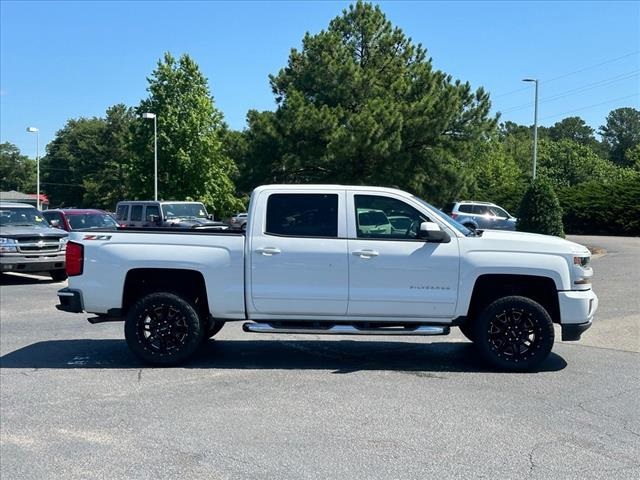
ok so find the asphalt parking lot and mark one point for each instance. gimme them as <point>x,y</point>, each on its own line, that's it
<point>74,403</point>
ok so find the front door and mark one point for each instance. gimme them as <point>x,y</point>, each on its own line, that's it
<point>392,273</point>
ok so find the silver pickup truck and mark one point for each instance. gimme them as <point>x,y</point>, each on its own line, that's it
<point>29,244</point>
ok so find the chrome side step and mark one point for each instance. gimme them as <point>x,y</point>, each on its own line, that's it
<point>421,330</point>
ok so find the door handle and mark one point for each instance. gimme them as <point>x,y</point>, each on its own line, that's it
<point>268,251</point>
<point>365,253</point>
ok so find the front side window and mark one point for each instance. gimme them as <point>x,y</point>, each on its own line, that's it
<point>122,212</point>
<point>136,213</point>
<point>386,218</point>
<point>498,212</point>
<point>302,215</point>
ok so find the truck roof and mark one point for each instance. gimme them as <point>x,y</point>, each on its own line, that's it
<point>331,188</point>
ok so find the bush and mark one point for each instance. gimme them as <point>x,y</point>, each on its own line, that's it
<point>540,210</point>
<point>611,208</point>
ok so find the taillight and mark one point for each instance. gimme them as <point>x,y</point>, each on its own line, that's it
<point>74,259</point>
<point>454,215</point>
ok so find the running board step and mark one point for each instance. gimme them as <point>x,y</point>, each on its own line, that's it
<point>421,330</point>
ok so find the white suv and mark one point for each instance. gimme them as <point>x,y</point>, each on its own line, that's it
<point>481,215</point>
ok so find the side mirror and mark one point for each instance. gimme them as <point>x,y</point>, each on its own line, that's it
<point>210,216</point>
<point>431,232</point>
<point>55,223</point>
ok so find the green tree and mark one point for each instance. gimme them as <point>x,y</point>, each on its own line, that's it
<point>191,159</point>
<point>566,163</point>
<point>17,171</point>
<point>360,103</point>
<point>540,210</point>
<point>110,181</point>
<point>74,155</point>
<point>621,133</point>
<point>496,175</point>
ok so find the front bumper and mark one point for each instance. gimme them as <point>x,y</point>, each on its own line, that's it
<point>70,300</point>
<point>41,262</point>
<point>577,310</point>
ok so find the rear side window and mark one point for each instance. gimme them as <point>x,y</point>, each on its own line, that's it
<point>465,208</point>
<point>480,209</point>
<point>136,213</point>
<point>122,212</point>
<point>302,215</point>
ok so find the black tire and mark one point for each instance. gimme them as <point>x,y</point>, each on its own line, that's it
<point>467,330</point>
<point>58,275</point>
<point>214,327</point>
<point>514,334</point>
<point>470,226</point>
<point>163,329</point>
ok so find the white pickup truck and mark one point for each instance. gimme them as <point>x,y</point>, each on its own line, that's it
<point>331,259</point>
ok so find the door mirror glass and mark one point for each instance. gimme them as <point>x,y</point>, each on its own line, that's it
<point>55,223</point>
<point>431,232</point>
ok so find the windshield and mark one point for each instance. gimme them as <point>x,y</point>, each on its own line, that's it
<point>452,223</point>
<point>183,210</point>
<point>17,216</point>
<point>91,220</point>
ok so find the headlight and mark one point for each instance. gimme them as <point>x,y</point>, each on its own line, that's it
<point>8,245</point>
<point>63,243</point>
<point>582,270</point>
<point>582,261</point>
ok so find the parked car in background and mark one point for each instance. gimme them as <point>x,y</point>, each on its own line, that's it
<point>238,221</point>
<point>29,244</point>
<point>481,215</point>
<point>161,214</point>
<point>78,219</point>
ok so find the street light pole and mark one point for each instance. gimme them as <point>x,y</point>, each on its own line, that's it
<point>37,132</point>
<point>535,126</point>
<point>155,153</point>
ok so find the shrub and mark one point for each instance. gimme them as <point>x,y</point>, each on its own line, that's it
<point>611,208</point>
<point>540,210</point>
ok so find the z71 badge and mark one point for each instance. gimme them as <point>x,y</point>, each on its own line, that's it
<point>97,237</point>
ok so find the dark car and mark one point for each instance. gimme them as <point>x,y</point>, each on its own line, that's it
<point>79,219</point>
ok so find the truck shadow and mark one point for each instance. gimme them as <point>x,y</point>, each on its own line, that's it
<point>339,356</point>
<point>25,279</point>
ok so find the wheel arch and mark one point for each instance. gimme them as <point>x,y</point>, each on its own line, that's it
<point>491,287</point>
<point>188,284</point>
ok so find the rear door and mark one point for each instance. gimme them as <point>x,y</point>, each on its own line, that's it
<point>298,254</point>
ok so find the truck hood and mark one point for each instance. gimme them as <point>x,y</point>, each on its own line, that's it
<point>10,231</point>
<point>525,242</point>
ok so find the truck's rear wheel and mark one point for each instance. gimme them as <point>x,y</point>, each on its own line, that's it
<point>514,333</point>
<point>163,328</point>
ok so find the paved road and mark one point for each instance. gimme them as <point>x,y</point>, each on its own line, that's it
<point>617,284</point>
<point>75,404</point>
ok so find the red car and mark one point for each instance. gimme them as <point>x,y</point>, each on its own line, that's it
<point>79,219</point>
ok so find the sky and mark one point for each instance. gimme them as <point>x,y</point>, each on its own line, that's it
<point>64,60</point>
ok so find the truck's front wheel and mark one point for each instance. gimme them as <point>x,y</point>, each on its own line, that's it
<point>163,328</point>
<point>514,333</point>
